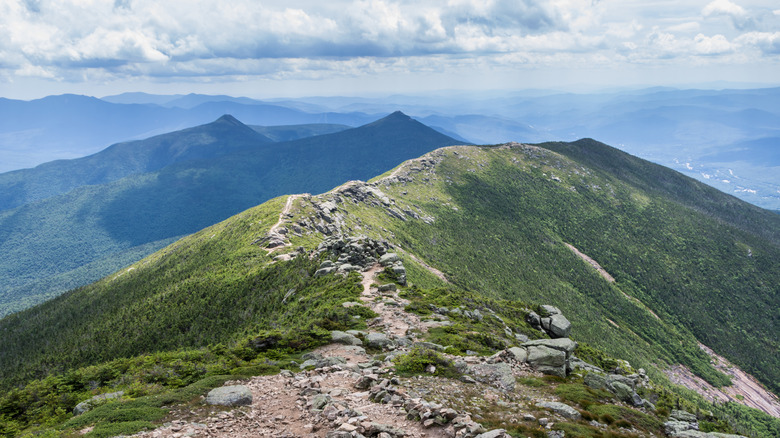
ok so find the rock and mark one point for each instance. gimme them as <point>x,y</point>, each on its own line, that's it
<point>318,402</point>
<point>534,319</point>
<point>636,400</point>
<point>596,381</point>
<point>429,345</point>
<point>613,378</point>
<point>546,324</point>
<point>547,360</point>
<point>518,354</point>
<point>338,434</point>
<point>674,427</point>
<point>324,271</point>
<point>378,340</point>
<point>681,415</point>
<point>390,287</point>
<point>498,374</point>
<point>388,259</point>
<point>521,337</point>
<point>235,395</point>
<point>563,344</point>
<point>495,433</point>
<point>561,409</point>
<point>95,401</point>
<point>326,264</point>
<point>623,392</point>
<point>340,337</point>
<point>551,310</point>
<point>556,434</point>
<point>560,327</point>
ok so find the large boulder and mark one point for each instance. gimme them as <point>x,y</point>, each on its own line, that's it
<point>547,360</point>
<point>235,395</point>
<point>378,340</point>
<point>388,259</point>
<point>563,344</point>
<point>560,327</point>
<point>498,374</point>
<point>340,337</point>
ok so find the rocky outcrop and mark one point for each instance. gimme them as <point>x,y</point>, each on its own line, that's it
<point>554,324</point>
<point>549,356</point>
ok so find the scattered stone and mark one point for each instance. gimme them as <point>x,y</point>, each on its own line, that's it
<point>561,409</point>
<point>235,395</point>
<point>389,287</point>
<point>388,259</point>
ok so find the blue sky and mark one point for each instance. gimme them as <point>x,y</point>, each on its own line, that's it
<point>296,48</point>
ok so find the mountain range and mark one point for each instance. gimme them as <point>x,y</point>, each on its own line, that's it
<point>648,265</point>
<point>725,138</point>
<point>70,222</point>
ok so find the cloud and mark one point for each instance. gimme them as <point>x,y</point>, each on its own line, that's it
<point>85,39</point>
<point>767,42</point>
<point>738,15</point>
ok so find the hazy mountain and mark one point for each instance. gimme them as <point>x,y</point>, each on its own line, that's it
<point>646,263</point>
<point>224,136</point>
<point>67,232</point>
<point>72,126</point>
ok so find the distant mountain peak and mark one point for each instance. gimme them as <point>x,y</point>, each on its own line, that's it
<point>398,115</point>
<point>227,118</point>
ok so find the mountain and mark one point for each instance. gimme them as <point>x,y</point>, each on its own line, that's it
<point>295,132</point>
<point>73,126</point>
<point>646,264</point>
<point>221,137</point>
<point>72,238</point>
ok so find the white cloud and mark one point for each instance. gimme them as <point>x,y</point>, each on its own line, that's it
<point>714,45</point>
<point>86,39</point>
<point>767,42</point>
<point>738,15</point>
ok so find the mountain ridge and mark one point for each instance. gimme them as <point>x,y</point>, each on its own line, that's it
<point>90,222</point>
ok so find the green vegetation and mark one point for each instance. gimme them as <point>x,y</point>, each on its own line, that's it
<point>419,359</point>
<point>507,239</point>
<point>68,232</point>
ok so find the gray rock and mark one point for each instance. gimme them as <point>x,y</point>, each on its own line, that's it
<point>534,319</point>
<point>495,433</point>
<point>388,259</point>
<point>560,327</point>
<point>319,401</point>
<point>551,310</point>
<point>636,400</point>
<point>340,337</point>
<point>324,271</point>
<point>596,381</point>
<point>563,344</point>
<point>235,395</point>
<point>429,345</point>
<point>612,378</point>
<point>326,264</point>
<point>561,409</point>
<point>556,434</point>
<point>521,337</point>
<point>95,401</point>
<point>519,354</point>
<point>378,340</point>
<point>546,323</point>
<point>547,360</point>
<point>623,392</point>
<point>498,374</point>
<point>681,415</point>
<point>390,287</point>
<point>675,427</point>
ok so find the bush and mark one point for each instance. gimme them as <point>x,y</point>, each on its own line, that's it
<point>417,360</point>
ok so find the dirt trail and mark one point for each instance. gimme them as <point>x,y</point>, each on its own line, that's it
<point>285,211</point>
<point>428,267</point>
<point>389,305</point>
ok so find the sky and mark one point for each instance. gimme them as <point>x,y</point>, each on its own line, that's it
<point>299,48</point>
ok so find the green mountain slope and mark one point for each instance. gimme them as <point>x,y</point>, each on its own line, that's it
<point>480,224</point>
<point>221,137</point>
<point>62,234</point>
